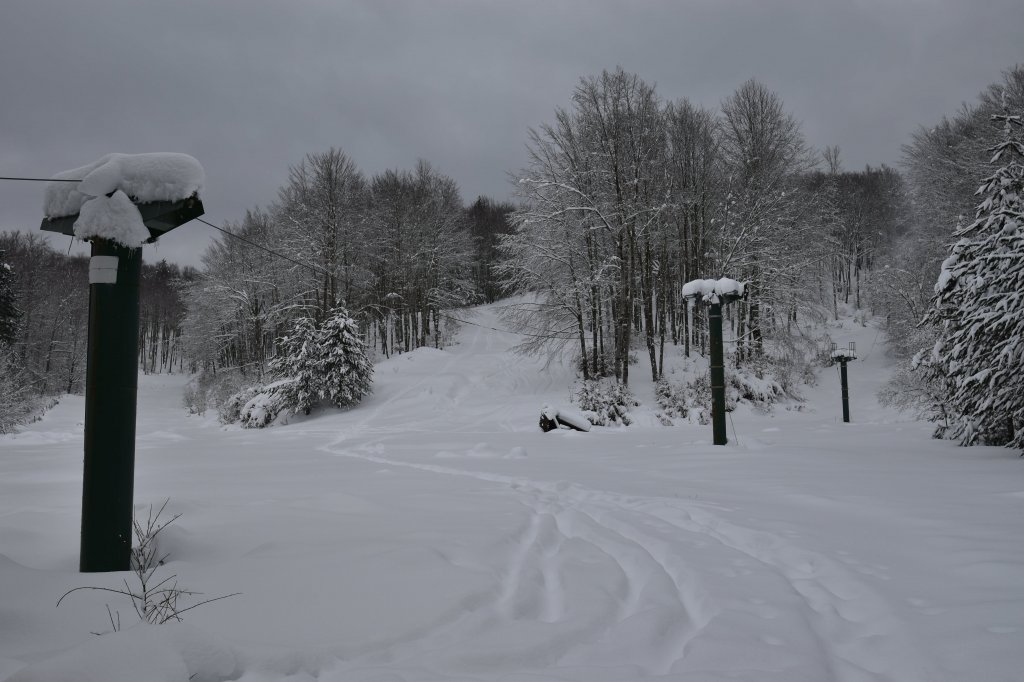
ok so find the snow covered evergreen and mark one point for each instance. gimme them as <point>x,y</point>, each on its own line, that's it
<point>327,362</point>
<point>979,303</point>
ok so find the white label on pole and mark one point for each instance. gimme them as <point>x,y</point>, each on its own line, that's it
<point>103,270</point>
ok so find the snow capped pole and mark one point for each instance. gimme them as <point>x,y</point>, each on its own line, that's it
<point>842,356</point>
<point>716,293</point>
<point>120,203</point>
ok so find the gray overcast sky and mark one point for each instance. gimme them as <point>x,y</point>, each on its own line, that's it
<point>249,87</point>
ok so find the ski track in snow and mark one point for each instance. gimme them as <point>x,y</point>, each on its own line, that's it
<point>855,628</point>
<point>857,634</point>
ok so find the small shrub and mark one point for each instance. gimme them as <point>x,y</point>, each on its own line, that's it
<point>605,401</point>
<point>230,411</point>
<point>672,400</point>
<point>154,601</point>
<point>210,390</point>
<point>757,383</point>
<point>264,404</point>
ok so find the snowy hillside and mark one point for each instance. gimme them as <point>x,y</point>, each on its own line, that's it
<point>435,533</point>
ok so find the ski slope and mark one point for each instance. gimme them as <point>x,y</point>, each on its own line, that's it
<point>435,533</point>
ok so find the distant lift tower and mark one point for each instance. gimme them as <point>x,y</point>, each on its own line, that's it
<point>716,294</point>
<point>843,356</point>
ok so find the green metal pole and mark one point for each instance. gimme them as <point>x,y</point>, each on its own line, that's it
<point>717,374</point>
<point>846,391</point>
<point>110,396</point>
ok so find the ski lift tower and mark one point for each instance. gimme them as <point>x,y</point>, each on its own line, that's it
<point>118,203</point>
<point>843,356</point>
<point>716,293</point>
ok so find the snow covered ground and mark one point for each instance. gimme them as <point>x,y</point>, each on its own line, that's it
<point>435,533</point>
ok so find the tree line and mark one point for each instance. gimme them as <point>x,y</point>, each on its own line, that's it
<point>952,285</point>
<point>44,313</point>
<point>395,250</point>
<point>627,196</point>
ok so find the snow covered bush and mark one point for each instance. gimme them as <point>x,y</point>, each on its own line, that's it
<point>258,406</point>
<point>979,309</point>
<point>698,395</point>
<point>679,400</point>
<point>325,362</point>
<point>605,402</point>
<point>671,398</point>
<point>758,382</point>
<point>209,390</point>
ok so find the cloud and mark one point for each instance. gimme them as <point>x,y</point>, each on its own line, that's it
<point>250,86</point>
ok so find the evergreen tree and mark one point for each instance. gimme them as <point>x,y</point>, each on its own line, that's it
<point>296,365</point>
<point>323,362</point>
<point>345,372</point>
<point>979,305</point>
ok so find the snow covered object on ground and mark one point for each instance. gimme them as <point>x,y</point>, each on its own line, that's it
<point>979,305</point>
<point>552,418</point>
<point>128,178</point>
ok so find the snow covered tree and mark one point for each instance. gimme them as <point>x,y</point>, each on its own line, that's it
<point>597,184</point>
<point>322,210</point>
<point>8,312</point>
<point>323,362</point>
<point>979,306</point>
<point>419,257</point>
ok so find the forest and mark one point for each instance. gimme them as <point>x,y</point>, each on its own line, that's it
<point>627,196</point>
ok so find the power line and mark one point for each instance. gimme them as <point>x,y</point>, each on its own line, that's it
<point>7,177</point>
<point>263,248</point>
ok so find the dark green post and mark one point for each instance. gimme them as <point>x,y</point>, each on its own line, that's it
<point>112,380</point>
<point>846,391</point>
<point>717,373</point>
<point>110,396</point>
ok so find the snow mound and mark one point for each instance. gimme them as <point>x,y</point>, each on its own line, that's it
<point>167,653</point>
<point>115,218</point>
<point>161,176</point>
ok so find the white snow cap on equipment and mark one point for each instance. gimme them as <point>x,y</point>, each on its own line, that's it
<point>129,178</point>
<point>114,218</point>
<point>161,176</point>
<point>710,289</point>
